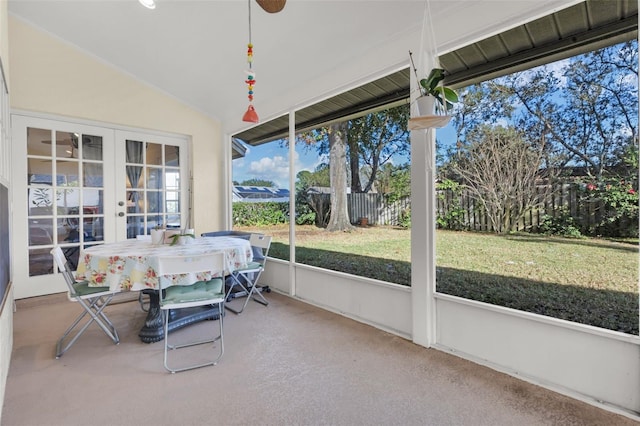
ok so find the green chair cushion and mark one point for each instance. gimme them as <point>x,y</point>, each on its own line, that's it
<point>250,266</point>
<point>82,288</point>
<point>202,290</point>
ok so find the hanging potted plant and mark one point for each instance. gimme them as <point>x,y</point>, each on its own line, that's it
<point>436,98</point>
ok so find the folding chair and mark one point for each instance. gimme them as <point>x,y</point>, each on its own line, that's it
<point>93,301</point>
<point>202,293</point>
<point>247,278</point>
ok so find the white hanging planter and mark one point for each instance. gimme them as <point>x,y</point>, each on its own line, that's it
<point>428,118</point>
<point>436,100</point>
<point>426,105</point>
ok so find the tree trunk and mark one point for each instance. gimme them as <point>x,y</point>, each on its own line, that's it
<point>354,165</point>
<point>339,220</point>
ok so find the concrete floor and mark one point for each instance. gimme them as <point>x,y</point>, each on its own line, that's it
<point>287,364</point>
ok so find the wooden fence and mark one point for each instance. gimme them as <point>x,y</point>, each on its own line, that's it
<point>376,209</point>
<point>563,203</point>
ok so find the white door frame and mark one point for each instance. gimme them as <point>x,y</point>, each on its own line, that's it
<point>114,176</point>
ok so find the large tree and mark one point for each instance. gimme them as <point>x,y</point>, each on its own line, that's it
<point>364,143</point>
<point>374,140</point>
<point>339,219</point>
<point>335,138</point>
<point>580,117</point>
<point>394,180</point>
<point>584,110</point>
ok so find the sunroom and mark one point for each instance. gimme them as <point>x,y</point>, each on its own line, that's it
<point>173,78</point>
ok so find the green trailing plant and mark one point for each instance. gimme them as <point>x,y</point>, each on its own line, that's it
<point>430,85</point>
<point>446,96</point>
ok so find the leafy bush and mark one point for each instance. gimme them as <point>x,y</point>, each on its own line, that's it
<point>270,213</point>
<point>617,207</point>
<point>304,214</point>
<point>453,218</point>
<point>404,220</point>
<point>561,223</point>
<point>260,214</point>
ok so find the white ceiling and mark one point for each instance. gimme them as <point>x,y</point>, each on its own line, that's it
<point>195,51</point>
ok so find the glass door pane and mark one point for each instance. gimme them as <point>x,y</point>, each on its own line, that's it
<point>64,174</point>
<point>64,190</point>
<point>153,171</point>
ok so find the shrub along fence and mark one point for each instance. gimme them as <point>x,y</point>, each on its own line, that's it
<point>568,209</point>
<point>376,209</point>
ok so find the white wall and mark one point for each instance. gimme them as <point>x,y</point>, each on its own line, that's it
<point>6,309</point>
<point>593,364</point>
<point>380,304</point>
<point>56,78</point>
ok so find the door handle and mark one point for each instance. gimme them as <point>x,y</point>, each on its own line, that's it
<point>121,214</point>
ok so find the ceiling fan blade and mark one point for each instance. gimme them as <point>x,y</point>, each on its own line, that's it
<point>272,6</point>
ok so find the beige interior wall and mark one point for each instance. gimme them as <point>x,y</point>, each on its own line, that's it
<point>53,77</point>
<point>6,309</point>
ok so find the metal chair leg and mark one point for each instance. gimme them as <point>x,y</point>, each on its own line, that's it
<point>168,346</point>
<point>94,309</point>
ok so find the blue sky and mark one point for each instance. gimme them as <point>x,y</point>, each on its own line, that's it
<point>270,161</point>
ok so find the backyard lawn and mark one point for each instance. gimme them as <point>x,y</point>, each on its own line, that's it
<point>590,281</point>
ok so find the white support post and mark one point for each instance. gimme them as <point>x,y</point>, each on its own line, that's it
<point>422,228</point>
<point>292,203</point>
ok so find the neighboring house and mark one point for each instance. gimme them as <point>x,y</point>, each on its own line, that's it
<point>259,194</point>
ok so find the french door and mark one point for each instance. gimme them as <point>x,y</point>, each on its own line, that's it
<point>77,185</point>
<point>153,187</point>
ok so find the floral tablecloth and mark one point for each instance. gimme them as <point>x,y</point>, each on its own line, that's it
<point>132,264</point>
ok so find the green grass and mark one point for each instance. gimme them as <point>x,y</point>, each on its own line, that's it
<point>590,281</point>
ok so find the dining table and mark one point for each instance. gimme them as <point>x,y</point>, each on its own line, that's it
<point>131,265</point>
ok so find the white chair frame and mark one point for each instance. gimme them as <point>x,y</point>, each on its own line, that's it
<point>191,296</point>
<point>251,274</point>
<point>93,301</point>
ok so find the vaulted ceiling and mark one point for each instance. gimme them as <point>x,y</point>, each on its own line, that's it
<point>195,50</point>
